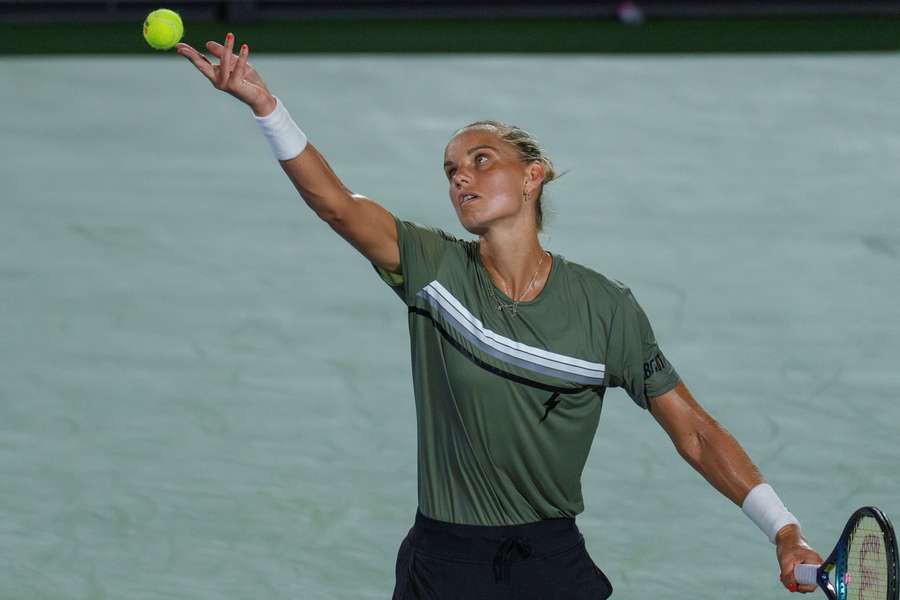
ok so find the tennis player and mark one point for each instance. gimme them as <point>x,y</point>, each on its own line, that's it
<point>513,348</point>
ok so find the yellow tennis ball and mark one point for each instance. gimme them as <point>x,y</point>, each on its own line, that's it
<point>163,28</point>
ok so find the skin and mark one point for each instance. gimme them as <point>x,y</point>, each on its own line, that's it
<point>717,456</point>
<point>503,218</point>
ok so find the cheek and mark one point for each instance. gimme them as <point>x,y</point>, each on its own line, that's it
<point>503,185</point>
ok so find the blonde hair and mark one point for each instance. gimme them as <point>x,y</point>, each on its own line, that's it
<point>529,151</point>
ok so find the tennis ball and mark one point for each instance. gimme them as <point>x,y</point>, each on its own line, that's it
<point>163,28</point>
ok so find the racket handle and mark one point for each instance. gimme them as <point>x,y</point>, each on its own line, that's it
<point>806,574</point>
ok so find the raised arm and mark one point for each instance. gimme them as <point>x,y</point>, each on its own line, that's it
<point>717,456</point>
<point>364,223</point>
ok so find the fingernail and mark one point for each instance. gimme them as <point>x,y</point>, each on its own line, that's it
<point>244,48</point>
<point>792,587</point>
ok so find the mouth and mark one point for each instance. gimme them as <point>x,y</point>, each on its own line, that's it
<point>466,198</point>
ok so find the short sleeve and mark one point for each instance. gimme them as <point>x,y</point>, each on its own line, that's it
<point>421,251</point>
<point>635,361</point>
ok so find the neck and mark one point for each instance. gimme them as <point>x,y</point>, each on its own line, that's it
<point>512,264</point>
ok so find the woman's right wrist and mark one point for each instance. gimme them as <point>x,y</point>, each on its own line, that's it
<point>265,107</point>
<point>286,140</point>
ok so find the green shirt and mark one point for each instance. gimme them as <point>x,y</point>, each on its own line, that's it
<point>507,406</point>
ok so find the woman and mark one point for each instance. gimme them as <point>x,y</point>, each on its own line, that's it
<point>512,350</point>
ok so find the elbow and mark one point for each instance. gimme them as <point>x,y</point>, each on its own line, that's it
<point>691,447</point>
<point>702,446</point>
<point>330,215</point>
<point>336,212</point>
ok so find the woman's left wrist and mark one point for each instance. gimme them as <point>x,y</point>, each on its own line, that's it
<point>789,534</point>
<point>768,512</point>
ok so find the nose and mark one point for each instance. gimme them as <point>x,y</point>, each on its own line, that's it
<point>461,177</point>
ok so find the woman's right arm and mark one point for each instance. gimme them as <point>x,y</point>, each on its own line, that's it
<point>365,224</point>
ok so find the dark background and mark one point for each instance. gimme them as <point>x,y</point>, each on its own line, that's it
<point>468,26</point>
<point>249,10</point>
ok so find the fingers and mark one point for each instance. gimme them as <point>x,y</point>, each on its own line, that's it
<point>232,73</point>
<point>215,48</point>
<point>237,75</point>
<point>184,49</point>
<point>201,62</point>
<point>792,553</point>
<point>787,579</point>
<point>789,582</point>
<point>225,62</point>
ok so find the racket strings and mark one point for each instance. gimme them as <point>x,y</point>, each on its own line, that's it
<point>866,574</point>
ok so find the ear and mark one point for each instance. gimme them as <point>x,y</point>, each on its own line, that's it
<point>535,172</point>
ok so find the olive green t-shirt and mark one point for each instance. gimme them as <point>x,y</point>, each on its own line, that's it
<point>507,406</point>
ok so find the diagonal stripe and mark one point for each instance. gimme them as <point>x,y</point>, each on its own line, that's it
<point>489,367</point>
<point>448,301</point>
<point>506,349</point>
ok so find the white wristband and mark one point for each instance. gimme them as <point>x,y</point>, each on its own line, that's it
<point>765,508</point>
<point>285,138</point>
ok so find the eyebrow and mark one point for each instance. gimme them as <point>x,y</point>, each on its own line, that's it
<point>471,150</point>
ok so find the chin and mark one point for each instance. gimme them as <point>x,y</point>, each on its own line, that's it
<point>482,218</point>
<point>474,229</point>
<point>473,224</point>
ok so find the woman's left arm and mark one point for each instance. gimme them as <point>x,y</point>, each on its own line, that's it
<point>717,456</point>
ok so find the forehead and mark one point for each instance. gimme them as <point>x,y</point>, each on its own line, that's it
<point>460,143</point>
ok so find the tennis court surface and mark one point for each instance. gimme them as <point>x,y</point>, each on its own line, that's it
<point>205,393</point>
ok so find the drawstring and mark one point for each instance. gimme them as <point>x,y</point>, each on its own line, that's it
<point>504,554</point>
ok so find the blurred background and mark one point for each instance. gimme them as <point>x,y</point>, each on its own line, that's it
<point>466,25</point>
<point>205,393</point>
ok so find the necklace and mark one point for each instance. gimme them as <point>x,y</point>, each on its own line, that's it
<point>513,307</point>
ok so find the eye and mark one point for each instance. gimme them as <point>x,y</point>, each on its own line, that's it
<point>478,158</point>
<point>450,172</point>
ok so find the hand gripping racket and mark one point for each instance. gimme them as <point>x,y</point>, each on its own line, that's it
<point>864,561</point>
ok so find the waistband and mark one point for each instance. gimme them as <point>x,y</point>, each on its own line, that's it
<point>481,543</point>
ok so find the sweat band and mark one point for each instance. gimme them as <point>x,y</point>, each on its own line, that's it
<point>765,508</point>
<point>285,138</point>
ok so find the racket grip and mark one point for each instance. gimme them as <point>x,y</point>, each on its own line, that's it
<point>806,574</point>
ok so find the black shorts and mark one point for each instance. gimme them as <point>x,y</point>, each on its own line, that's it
<point>546,560</point>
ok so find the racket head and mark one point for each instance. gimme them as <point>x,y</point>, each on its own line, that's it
<point>864,561</point>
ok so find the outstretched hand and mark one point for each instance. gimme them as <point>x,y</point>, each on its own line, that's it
<point>793,550</point>
<point>233,74</point>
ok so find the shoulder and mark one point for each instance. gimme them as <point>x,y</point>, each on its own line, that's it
<point>595,283</point>
<point>427,245</point>
<point>412,227</point>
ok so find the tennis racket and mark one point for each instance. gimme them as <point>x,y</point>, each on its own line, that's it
<point>863,562</point>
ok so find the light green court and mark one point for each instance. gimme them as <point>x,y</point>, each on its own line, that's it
<point>183,345</point>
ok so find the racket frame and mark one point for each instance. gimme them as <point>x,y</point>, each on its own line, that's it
<point>838,556</point>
